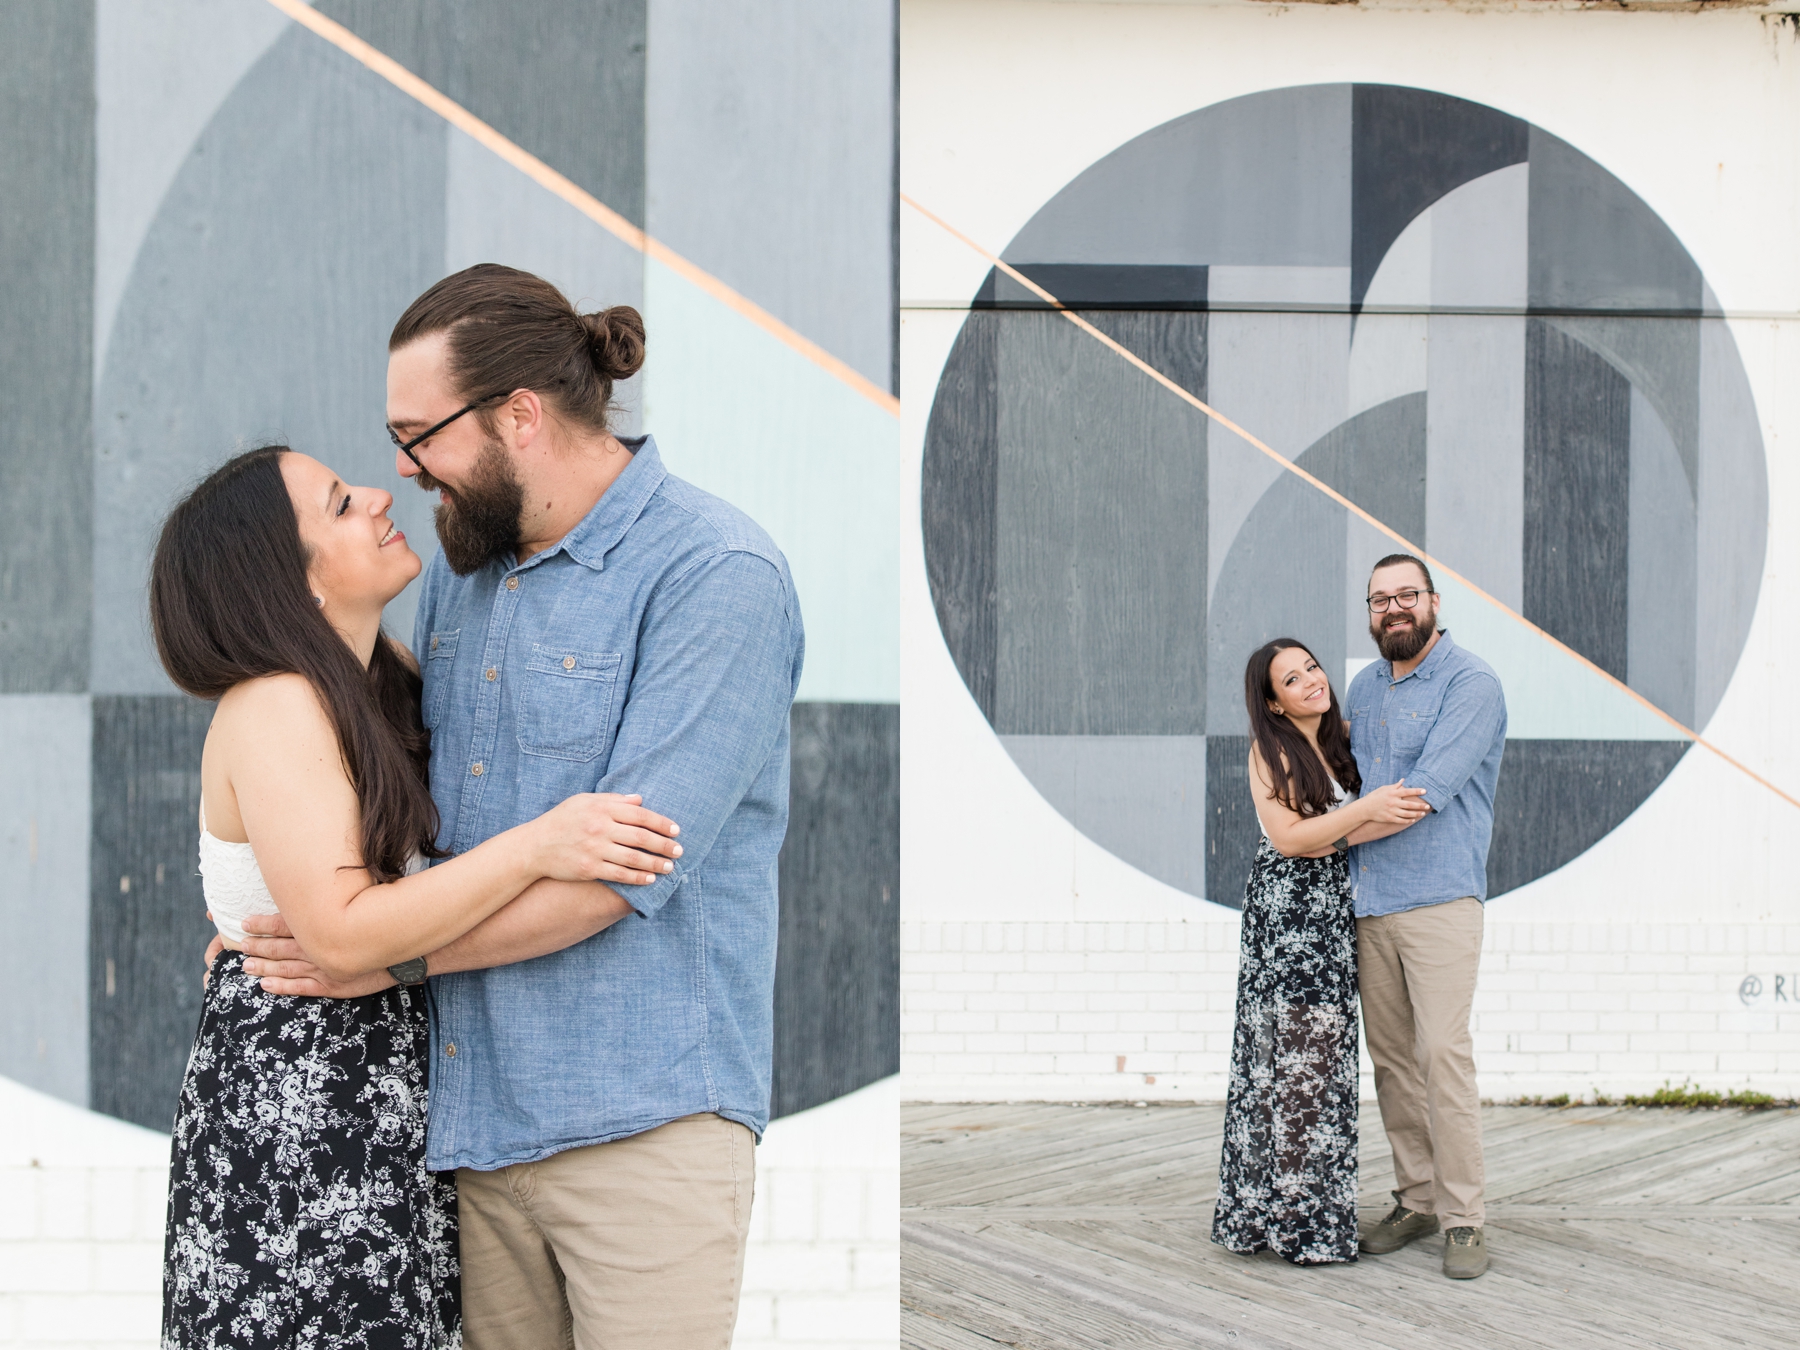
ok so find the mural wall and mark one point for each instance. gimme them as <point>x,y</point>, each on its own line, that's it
<point>1510,284</point>
<point>215,220</point>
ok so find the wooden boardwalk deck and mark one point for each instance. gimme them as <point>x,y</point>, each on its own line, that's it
<point>1075,1228</point>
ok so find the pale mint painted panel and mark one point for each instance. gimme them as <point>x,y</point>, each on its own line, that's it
<point>44,901</point>
<point>814,463</point>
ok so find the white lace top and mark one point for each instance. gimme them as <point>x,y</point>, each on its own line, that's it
<point>232,882</point>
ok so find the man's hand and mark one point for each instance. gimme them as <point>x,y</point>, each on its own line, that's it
<point>271,953</point>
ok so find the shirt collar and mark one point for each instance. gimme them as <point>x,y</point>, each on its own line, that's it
<point>617,510</point>
<point>1428,667</point>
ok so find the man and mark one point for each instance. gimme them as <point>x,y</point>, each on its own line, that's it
<point>1433,715</point>
<point>593,624</point>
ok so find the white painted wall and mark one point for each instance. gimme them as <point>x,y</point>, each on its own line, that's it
<point>1034,959</point>
<point>83,1198</point>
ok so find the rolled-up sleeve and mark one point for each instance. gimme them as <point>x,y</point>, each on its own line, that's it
<point>717,665</point>
<point>1471,717</point>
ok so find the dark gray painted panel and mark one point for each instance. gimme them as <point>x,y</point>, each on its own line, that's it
<point>1577,496</point>
<point>1263,179</point>
<point>1595,245</point>
<point>1410,147</point>
<point>837,971</point>
<point>1100,536</point>
<point>46,346</point>
<point>957,504</point>
<point>1661,358</point>
<point>562,78</point>
<point>147,917</point>
<point>768,159</point>
<point>1097,286</point>
<point>309,215</point>
<point>1232,829</point>
<point>1556,799</point>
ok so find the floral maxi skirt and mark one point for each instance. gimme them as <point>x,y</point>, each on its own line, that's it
<point>300,1210</point>
<point>1287,1176</point>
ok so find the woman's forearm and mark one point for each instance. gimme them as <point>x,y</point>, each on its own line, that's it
<point>1313,836</point>
<point>546,917</point>
<point>1373,830</point>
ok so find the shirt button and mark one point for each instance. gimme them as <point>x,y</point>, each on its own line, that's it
<point>434,644</point>
<point>1377,760</point>
<point>492,674</point>
<point>568,663</point>
<point>512,583</point>
<point>450,1049</point>
<point>475,768</point>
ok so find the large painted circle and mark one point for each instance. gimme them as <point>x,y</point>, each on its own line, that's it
<point>1458,320</point>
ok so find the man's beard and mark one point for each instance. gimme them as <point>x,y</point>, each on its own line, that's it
<point>478,522</point>
<point>1402,644</point>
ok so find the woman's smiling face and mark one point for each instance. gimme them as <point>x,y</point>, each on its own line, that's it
<point>357,557</point>
<point>1301,689</point>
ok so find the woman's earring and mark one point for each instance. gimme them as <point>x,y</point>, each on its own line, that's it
<point>319,600</point>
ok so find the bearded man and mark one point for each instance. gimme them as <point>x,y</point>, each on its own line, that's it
<point>1432,715</point>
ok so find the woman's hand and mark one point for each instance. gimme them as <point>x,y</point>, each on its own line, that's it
<point>1396,804</point>
<point>602,836</point>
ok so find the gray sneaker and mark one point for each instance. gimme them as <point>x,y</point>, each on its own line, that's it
<point>1465,1253</point>
<point>1400,1227</point>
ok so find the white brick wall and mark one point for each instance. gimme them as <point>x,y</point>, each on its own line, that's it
<point>1142,1011</point>
<point>82,1200</point>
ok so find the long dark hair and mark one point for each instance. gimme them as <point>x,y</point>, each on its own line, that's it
<point>229,602</point>
<point>1300,781</point>
<point>512,330</point>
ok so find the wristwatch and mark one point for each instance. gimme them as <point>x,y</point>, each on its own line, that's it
<point>409,972</point>
<point>1342,846</point>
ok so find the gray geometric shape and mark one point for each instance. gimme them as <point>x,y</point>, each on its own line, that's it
<point>1377,460</point>
<point>837,968</point>
<point>1557,799</point>
<point>957,500</point>
<point>1661,650</point>
<point>1595,245</point>
<point>1284,378</point>
<point>1142,798</point>
<point>1100,530</point>
<point>768,159</point>
<point>44,903</point>
<point>564,79</point>
<point>1733,516</point>
<point>161,70</point>
<point>147,912</point>
<point>1152,286</point>
<point>493,213</point>
<point>1233,831</point>
<point>1255,180</point>
<point>308,216</point>
<point>1475,450</point>
<point>1481,242</point>
<point>1661,358</point>
<point>1577,534</point>
<point>46,345</point>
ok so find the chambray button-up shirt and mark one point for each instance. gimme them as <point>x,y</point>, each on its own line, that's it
<point>655,649</point>
<point>1441,728</point>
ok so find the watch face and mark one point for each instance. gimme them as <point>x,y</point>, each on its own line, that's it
<point>409,972</point>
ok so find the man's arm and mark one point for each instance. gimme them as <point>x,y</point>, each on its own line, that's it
<point>1471,715</point>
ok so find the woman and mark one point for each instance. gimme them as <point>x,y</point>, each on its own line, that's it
<point>300,1210</point>
<point>1287,1177</point>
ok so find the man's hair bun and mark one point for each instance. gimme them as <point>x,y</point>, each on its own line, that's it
<point>615,341</point>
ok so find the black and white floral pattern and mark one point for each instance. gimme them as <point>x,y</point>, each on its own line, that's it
<point>1287,1177</point>
<point>300,1211</point>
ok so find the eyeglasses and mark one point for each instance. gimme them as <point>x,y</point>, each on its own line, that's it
<point>406,447</point>
<point>1378,604</point>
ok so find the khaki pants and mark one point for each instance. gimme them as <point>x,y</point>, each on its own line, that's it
<point>1417,972</point>
<point>623,1246</point>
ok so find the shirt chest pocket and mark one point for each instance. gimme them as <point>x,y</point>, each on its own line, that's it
<point>566,702</point>
<point>440,661</point>
<point>1407,730</point>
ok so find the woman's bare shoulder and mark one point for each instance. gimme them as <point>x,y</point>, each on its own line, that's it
<point>272,708</point>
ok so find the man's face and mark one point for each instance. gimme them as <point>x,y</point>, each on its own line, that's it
<point>479,493</point>
<point>1401,633</point>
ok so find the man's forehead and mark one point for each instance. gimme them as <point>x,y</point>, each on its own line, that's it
<point>1401,575</point>
<point>416,381</point>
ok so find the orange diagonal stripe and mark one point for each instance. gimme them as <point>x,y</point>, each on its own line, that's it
<point>1406,544</point>
<point>585,202</point>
